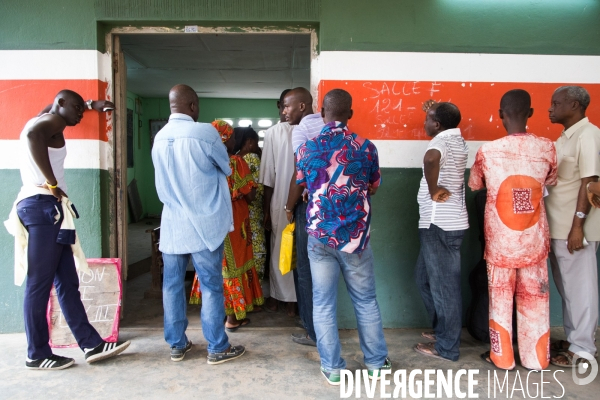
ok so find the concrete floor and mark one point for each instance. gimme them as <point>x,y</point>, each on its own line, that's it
<point>273,367</point>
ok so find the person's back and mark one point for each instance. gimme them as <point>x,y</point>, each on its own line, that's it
<point>516,169</point>
<point>349,165</point>
<point>192,185</point>
<point>191,165</point>
<point>341,172</point>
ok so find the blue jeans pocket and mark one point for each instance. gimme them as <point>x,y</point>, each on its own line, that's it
<point>37,212</point>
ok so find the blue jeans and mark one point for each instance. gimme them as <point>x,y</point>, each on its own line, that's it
<point>357,270</point>
<point>304,289</point>
<point>50,263</point>
<point>209,269</point>
<point>438,278</point>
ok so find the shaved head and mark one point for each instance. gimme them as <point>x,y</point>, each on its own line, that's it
<point>68,94</point>
<point>302,95</point>
<point>337,102</point>
<point>69,105</point>
<point>297,104</point>
<point>516,103</point>
<point>184,100</point>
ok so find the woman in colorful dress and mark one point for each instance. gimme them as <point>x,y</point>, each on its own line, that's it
<point>250,152</point>
<point>241,285</point>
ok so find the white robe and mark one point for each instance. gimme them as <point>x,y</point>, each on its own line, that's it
<point>276,169</point>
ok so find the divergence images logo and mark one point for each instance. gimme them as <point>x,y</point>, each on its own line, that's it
<point>586,368</point>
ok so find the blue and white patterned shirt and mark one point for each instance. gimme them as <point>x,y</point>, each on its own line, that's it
<point>337,167</point>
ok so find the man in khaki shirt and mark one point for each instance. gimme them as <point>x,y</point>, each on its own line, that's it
<point>574,226</point>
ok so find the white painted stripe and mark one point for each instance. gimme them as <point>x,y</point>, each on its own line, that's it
<point>95,154</point>
<point>409,153</point>
<point>54,64</point>
<point>458,67</point>
<point>81,154</point>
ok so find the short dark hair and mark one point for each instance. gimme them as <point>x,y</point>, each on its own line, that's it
<point>447,114</point>
<point>516,103</point>
<point>242,135</point>
<point>337,102</point>
<point>281,97</point>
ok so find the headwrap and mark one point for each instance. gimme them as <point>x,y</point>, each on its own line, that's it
<point>225,130</point>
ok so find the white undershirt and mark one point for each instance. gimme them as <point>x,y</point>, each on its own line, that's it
<point>30,172</point>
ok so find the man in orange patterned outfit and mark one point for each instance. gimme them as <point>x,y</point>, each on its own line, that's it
<point>515,169</point>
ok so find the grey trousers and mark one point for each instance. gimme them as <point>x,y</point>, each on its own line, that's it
<point>576,277</point>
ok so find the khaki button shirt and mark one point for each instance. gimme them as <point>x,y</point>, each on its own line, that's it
<point>578,153</point>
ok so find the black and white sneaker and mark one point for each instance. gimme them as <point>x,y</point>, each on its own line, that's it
<point>179,354</point>
<point>230,354</point>
<point>105,350</point>
<point>53,363</point>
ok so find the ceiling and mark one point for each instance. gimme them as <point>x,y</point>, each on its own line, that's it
<point>247,66</point>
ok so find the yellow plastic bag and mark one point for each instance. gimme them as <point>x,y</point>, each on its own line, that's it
<point>287,253</point>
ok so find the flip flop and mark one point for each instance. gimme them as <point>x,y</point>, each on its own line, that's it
<point>243,323</point>
<point>429,335</point>
<point>419,348</point>
<point>566,355</point>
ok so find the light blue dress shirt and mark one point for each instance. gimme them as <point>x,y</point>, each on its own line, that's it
<point>191,167</point>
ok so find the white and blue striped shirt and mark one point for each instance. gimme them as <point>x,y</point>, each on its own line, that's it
<point>309,127</point>
<point>452,214</point>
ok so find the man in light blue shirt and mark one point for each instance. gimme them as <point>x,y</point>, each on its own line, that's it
<point>191,168</point>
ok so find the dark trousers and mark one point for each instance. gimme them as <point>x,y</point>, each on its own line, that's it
<point>50,262</point>
<point>438,278</point>
<point>302,275</point>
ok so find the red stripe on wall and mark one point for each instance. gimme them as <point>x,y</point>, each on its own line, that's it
<point>21,100</point>
<point>392,110</point>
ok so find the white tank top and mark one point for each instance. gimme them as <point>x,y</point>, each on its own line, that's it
<point>30,172</point>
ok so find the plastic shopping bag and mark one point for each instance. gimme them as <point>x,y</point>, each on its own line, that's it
<point>287,254</point>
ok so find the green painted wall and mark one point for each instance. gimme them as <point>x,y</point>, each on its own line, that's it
<point>33,24</point>
<point>493,26</point>
<point>462,26</point>
<point>84,190</point>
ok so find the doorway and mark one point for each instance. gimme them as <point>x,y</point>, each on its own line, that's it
<point>237,76</point>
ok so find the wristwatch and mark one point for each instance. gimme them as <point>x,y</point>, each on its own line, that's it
<point>89,104</point>
<point>286,209</point>
<point>579,214</point>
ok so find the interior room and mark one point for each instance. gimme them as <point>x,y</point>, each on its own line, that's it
<point>239,78</point>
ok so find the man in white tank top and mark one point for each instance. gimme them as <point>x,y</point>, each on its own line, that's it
<point>49,259</point>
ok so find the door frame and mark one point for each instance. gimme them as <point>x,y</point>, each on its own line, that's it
<point>117,88</point>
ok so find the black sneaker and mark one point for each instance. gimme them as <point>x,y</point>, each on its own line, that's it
<point>178,354</point>
<point>105,350</point>
<point>231,354</point>
<point>53,362</point>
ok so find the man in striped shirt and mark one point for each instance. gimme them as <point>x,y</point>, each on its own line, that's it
<point>442,226</point>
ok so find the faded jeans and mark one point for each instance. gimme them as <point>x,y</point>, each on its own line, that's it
<point>357,269</point>
<point>209,269</point>
<point>438,278</point>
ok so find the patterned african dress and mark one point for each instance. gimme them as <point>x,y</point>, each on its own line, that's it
<point>241,286</point>
<point>259,245</point>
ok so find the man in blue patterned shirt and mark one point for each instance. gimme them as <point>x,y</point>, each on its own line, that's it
<point>341,171</point>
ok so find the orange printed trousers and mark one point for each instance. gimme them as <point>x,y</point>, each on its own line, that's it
<point>529,286</point>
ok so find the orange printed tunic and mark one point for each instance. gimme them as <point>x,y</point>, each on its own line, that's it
<point>241,285</point>
<point>515,169</point>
